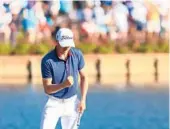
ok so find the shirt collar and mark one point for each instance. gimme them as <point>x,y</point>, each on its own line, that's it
<point>69,53</point>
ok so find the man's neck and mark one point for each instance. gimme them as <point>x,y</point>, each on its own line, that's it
<point>62,55</point>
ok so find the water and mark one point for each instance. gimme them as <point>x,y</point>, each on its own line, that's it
<point>106,108</point>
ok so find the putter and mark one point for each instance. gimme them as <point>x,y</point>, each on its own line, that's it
<point>77,121</point>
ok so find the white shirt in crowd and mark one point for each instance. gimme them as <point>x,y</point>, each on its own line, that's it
<point>139,12</point>
<point>120,14</point>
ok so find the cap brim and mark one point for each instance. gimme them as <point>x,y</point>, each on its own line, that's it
<point>69,43</point>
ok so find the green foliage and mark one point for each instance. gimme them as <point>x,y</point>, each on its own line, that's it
<point>22,48</point>
<point>163,47</point>
<point>87,47</point>
<point>5,48</point>
<point>157,48</point>
<point>25,48</point>
<point>122,49</point>
<point>39,48</point>
<point>105,49</point>
<point>145,48</point>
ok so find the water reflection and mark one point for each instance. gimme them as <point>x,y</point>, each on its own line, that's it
<point>29,70</point>
<point>128,82</point>
<point>156,77</point>
<point>127,65</point>
<point>156,70</point>
<point>98,71</point>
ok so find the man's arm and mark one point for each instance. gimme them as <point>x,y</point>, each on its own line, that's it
<point>53,88</point>
<point>83,89</point>
<point>50,88</point>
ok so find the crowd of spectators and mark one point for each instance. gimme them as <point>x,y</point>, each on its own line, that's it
<point>91,21</point>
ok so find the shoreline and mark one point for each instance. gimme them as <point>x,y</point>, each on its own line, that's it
<point>113,68</point>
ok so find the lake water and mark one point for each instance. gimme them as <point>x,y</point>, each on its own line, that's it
<point>107,108</point>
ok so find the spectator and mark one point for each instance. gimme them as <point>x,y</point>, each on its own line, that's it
<point>65,6</point>
<point>15,9</point>
<point>99,18</point>
<point>93,21</point>
<point>55,7</point>
<point>43,29</point>
<point>120,14</point>
<point>153,22</point>
<point>30,21</point>
<point>164,8</point>
<point>79,6</point>
<point>139,15</point>
<point>5,30</point>
<point>88,27</point>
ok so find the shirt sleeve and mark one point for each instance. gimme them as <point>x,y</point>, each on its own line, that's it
<point>45,69</point>
<point>81,61</point>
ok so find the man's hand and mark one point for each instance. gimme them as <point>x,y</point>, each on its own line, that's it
<point>81,106</point>
<point>68,82</point>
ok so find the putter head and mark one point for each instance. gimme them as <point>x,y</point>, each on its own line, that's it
<point>78,119</point>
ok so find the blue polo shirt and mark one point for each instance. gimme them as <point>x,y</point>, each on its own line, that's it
<point>59,70</point>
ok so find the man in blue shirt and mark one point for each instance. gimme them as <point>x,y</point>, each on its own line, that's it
<point>60,69</point>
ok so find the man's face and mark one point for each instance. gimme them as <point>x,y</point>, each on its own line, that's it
<point>63,49</point>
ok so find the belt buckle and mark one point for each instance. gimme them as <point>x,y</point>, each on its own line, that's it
<point>63,100</point>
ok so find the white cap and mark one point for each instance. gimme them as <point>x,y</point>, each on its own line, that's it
<point>65,37</point>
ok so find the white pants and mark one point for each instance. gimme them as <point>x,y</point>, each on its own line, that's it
<point>66,109</point>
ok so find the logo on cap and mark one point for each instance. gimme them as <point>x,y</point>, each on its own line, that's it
<point>65,37</point>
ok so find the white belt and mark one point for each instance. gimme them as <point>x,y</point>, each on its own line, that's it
<point>62,100</point>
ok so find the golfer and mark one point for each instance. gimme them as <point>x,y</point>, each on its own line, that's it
<point>60,68</point>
